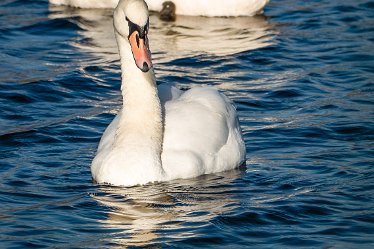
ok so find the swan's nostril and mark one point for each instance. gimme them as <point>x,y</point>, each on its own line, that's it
<point>145,67</point>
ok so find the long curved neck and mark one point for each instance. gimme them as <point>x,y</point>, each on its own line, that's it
<point>141,126</point>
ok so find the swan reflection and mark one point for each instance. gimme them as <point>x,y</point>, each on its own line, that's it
<point>179,208</point>
<point>187,36</point>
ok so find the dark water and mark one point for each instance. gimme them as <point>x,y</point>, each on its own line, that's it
<point>301,76</point>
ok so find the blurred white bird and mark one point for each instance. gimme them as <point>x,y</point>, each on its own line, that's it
<point>184,7</point>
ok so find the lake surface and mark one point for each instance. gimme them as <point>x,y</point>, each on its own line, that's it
<point>301,76</point>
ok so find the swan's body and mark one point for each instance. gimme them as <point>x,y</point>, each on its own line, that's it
<point>184,7</point>
<point>162,133</point>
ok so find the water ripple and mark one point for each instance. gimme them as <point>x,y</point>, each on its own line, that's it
<point>301,77</point>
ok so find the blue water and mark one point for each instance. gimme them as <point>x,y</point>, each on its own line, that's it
<point>302,79</point>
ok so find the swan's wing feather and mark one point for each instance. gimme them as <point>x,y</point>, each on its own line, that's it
<point>202,134</point>
<point>168,93</point>
<point>107,139</point>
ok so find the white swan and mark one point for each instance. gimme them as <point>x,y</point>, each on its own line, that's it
<point>162,133</point>
<point>184,7</point>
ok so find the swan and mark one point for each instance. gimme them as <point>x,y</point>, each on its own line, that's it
<point>162,133</point>
<point>184,7</point>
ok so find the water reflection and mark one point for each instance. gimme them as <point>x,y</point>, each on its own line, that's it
<point>140,213</point>
<point>187,36</point>
<point>214,36</point>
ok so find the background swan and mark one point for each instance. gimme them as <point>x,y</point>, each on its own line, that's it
<point>198,134</point>
<point>184,7</point>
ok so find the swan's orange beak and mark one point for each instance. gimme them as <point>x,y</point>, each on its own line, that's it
<point>140,51</point>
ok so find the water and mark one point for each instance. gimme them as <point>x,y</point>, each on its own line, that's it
<point>301,76</point>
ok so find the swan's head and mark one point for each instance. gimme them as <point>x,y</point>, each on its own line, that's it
<point>167,12</point>
<point>131,21</point>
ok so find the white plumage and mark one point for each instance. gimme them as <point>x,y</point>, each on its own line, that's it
<point>163,133</point>
<point>184,7</point>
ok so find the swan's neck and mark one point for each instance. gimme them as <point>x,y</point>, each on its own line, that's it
<point>140,130</point>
